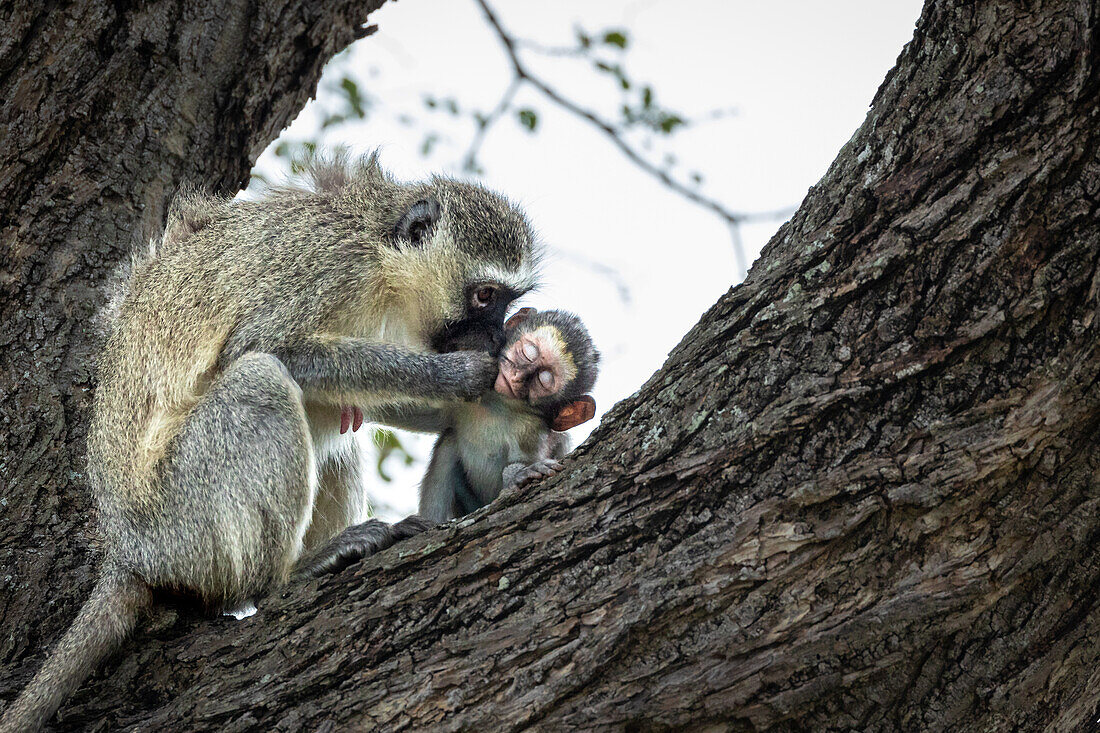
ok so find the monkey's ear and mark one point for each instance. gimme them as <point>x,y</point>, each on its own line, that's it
<point>571,415</point>
<point>417,223</point>
<point>519,317</point>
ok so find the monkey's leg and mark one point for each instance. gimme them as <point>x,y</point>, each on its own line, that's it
<point>238,490</point>
<point>417,419</point>
<point>443,482</point>
<point>341,499</point>
<point>359,541</point>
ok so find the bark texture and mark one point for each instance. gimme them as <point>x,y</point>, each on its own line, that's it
<point>862,494</point>
<point>105,110</point>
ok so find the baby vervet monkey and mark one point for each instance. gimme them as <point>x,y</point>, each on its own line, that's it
<point>514,433</point>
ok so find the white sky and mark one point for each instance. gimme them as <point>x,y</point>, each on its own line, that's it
<point>800,74</point>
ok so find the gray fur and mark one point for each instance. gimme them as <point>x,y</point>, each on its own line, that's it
<point>214,452</point>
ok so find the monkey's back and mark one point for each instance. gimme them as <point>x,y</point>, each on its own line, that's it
<point>214,288</point>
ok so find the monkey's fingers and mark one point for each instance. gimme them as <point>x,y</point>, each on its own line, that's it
<point>345,419</point>
<point>535,471</point>
<point>357,419</point>
<point>411,526</point>
<point>472,373</point>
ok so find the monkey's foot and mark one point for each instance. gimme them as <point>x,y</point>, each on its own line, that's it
<point>517,475</point>
<point>357,542</point>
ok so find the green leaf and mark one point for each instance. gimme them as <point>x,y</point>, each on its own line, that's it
<point>647,97</point>
<point>615,38</point>
<point>670,123</point>
<point>387,443</point>
<point>583,38</point>
<point>428,143</point>
<point>430,102</point>
<point>354,98</point>
<point>528,118</point>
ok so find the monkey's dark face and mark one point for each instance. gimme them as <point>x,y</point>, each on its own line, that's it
<point>482,326</point>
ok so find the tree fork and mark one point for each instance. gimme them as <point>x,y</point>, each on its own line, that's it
<point>862,493</point>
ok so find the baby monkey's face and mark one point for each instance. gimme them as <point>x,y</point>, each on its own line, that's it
<point>534,364</point>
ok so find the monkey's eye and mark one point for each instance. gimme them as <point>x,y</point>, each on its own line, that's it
<point>546,377</point>
<point>484,295</point>
<point>530,351</point>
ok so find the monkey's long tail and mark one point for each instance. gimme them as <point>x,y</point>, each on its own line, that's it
<point>104,621</point>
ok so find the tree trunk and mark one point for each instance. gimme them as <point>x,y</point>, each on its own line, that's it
<point>862,494</point>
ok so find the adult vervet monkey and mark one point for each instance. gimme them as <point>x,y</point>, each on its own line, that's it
<point>214,451</point>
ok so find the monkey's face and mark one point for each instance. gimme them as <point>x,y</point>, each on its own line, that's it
<point>465,254</point>
<point>535,366</point>
<point>549,362</point>
<point>480,327</point>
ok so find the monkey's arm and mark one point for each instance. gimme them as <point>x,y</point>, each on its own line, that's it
<point>417,419</point>
<point>339,369</point>
<point>558,445</point>
<point>442,482</point>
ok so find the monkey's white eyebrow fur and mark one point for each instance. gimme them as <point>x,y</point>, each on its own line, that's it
<point>519,280</point>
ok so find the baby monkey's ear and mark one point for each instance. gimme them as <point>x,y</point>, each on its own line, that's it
<point>574,413</point>
<point>519,317</point>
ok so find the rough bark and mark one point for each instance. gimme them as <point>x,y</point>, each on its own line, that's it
<point>861,494</point>
<point>105,110</point>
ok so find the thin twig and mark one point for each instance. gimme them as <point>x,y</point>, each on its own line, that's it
<point>550,50</point>
<point>469,160</point>
<point>605,270</point>
<point>739,250</point>
<point>733,218</point>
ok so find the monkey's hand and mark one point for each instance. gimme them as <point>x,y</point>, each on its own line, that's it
<point>466,375</point>
<point>357,542</point>
<point>517,475</point>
